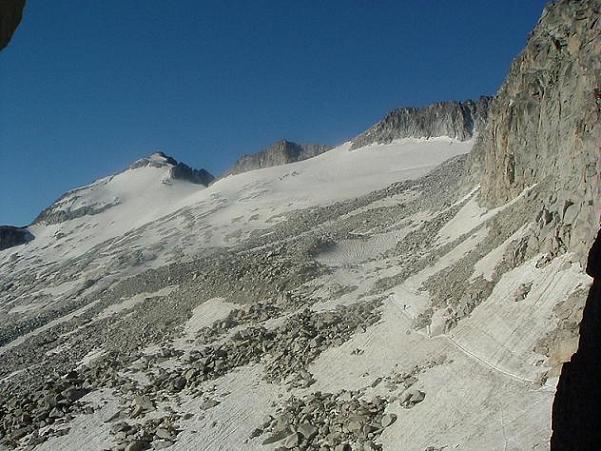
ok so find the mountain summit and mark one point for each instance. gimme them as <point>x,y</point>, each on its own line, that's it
<point>177,170</point>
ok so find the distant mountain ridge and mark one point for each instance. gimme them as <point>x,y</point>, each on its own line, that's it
<point>459,120</point>
<point>280,152</point>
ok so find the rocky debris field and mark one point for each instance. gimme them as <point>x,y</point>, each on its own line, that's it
<point>328,421</point>
<point>345,420</point>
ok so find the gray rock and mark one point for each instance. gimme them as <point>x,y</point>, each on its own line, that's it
<point>307,430</point>
<point>162,444</point>
<point>279,153</point>
<point>343,447</point>
<point>276,437</point>
<point>293,440</point>
<point>177,170</point>
<point>141,404</point>
<point>459,120</point>
<point>544,127</point>
<point>137,445</point>
<point>179,383</point>
<point>412,397</point>
<point>388,419</point>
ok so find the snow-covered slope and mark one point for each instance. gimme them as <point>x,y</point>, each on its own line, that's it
<point>154,264</point>
<point>147,202</point>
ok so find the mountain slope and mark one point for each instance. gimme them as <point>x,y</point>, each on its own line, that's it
<point>388,296</point>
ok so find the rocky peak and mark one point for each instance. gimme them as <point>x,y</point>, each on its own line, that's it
<point>459,120</point>
<point>280,152</point>
<point>177,170</point>
<point>544,126</point>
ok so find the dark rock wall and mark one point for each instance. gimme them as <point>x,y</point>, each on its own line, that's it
<point>11,236</point>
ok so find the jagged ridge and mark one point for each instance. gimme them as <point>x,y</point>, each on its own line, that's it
<point>178,170</point>
<point>280,152</point>
<point>459,120</point>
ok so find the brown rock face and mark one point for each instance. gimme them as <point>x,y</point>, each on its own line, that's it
<point>544,125</point>
<point>11,12</point>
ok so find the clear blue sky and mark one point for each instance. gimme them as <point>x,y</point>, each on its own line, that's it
<point>86,87</point>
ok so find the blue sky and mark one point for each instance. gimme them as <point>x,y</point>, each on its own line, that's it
<point>87,87</point>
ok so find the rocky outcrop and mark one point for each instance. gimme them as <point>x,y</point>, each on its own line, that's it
<point>178,170</point>
<point>459,120</point>
<point>54,215</point>
<point>11,12</point>
<point>544,127</point>
<point>11,236</point>
<point>281,152</point>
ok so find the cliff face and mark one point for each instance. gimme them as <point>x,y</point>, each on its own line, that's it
<point>281,152</point>
<point>460,120</point>
<point>543,127</point>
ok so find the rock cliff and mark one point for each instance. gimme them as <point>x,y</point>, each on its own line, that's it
<point>544,128</point>
<point>280,152</point>
<point>460,120</point>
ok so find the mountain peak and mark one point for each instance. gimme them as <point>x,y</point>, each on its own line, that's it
<point>177,170</point>
<point>156,159</point>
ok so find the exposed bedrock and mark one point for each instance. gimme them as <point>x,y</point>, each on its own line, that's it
<point>544,126</point>
<point>280,152</point>
<point>460,120</point>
